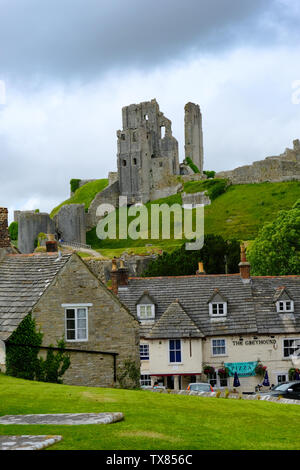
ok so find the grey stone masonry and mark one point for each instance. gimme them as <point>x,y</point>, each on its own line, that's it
<point>30,225</point>
<point>4,235</point>
<point>70,223</point>
<point>193,134</point>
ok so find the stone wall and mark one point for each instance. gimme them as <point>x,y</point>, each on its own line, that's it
<point>109,195</point>
<point>195,199</point>
<point>284,167</point>
<point>70,223</point>
<point>4,235</point>
<point>30,225</point>
<point>111,327</point>
<point>193,134</point>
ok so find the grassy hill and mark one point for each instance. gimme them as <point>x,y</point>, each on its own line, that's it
<point>84,195</point>
<point>238,213</point>
<point>152,421</point>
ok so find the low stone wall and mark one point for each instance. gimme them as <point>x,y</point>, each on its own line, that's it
<point>231,395</point>
<point>195,199</point>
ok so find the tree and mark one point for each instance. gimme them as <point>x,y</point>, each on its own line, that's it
<point>13,231</point>
<point>276,250</point>
<point>215,254</point>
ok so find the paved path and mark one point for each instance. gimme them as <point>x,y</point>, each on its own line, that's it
<point>27,442</point>
<point>64,418</point>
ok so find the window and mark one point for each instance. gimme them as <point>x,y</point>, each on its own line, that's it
<point>123,137</point>
<point>124,163</point>
<point>76,324</point>
<point>145,312</point>
<point>290,346</point>
<point>218,347</point>
<point>218,309</point>
<point>134,161</point>
<point>215,381</point>
<point>144,352</point>
<point>145,380</point>
<point>175,350</point>
<point>285,306</point>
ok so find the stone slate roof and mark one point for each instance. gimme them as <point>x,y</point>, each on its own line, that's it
<point>23,280</point>
<point>251,306</point>
<point>175,323</point>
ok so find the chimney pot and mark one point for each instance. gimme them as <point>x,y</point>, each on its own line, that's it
<point>200,268</point>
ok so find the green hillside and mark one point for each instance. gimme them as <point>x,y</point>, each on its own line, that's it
<point>84,195</point>
<point>238,213</point>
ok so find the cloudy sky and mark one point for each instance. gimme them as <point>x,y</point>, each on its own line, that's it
<point>68,66</point>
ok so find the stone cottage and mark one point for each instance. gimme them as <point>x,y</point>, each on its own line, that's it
<point>68,301</point>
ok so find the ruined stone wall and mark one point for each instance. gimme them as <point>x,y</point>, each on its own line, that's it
<point>30,225</point>
<point>110,326</point>
<point>110,195</point>
<point>70,223</point>
<point>147,151</point>
<point>195,199</point>
<point>284,167</point>
<point>193,134</point>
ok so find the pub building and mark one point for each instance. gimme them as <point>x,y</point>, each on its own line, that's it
<point>203,327</point>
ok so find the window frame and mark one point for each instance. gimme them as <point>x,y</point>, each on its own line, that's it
<point>215,381</point>
<point>144,346</point>
<point>284,302</point>
<point>288,347</point>
<point>175,350</point>
<point>76,307</point>
<point>144,380</point>
<point>152,312</point>
<point>217,315</point>
<point>212,347</point>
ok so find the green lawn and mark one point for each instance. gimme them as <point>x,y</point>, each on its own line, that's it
<point>84,195</point>
<point>152,421</point>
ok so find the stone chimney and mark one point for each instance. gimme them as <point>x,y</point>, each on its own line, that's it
<point>51,246</point>
<point>115,276</point>
<point>4,235</point>
<point>244,265</point>
<point>200,269</point>
<point>123,275</point>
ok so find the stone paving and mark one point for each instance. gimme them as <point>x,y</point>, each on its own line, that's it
<point>27,442</point>
<point>63,418</point>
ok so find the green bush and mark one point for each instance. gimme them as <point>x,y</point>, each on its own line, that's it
<point>192,165</point>
<point>22,359</point>
<point>209,174</point>
<point>13,230</point>
<point>74,183</point>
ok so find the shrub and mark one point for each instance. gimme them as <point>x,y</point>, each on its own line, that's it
<point>129,375</point>
<point>13,230</point>
<point>209,174</point>
<point>55,365</point>
<point>74,183</point>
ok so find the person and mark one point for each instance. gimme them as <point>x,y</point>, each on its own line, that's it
<point>155,385</point>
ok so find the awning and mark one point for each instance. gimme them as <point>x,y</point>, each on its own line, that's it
<point>243,369</point>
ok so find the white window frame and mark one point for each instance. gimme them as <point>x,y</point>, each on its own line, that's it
<point>217,379</point>
<point>214,315</point>
<point>144,379</point>
<point>283,348</point>
<point>76,307</point>
<point>212,347</point>
<point>144,346</point>
<point>152,317</point>
<point>284,310</point>
<point>169,350</point>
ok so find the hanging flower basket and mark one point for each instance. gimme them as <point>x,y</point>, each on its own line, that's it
<point>208,370</point>
<point>293,373</point>
<point>223,373</point>
<point>260,369</point>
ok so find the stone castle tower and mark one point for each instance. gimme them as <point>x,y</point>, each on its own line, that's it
<point>147,152</point>
<point>193,134</point>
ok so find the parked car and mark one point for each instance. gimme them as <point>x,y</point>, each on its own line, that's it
<point>289,390</point>
<point>200,387</point>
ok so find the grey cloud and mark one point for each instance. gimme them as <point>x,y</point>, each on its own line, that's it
<point>69,39</point>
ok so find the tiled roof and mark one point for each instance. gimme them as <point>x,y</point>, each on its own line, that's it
<point>175,323</point>
<point>251,306</point>
<point>23,280</point>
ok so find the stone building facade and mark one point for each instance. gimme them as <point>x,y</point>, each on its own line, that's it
<point>68,301</point>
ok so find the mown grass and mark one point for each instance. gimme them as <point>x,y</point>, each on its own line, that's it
<point>83,195</point>
<point>152,421</point>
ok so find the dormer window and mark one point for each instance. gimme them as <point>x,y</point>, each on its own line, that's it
<point>218,309</point>
<point>285,306</point>
<point>217,305</point>
<point>146,311</point>
<point>283,300</point>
